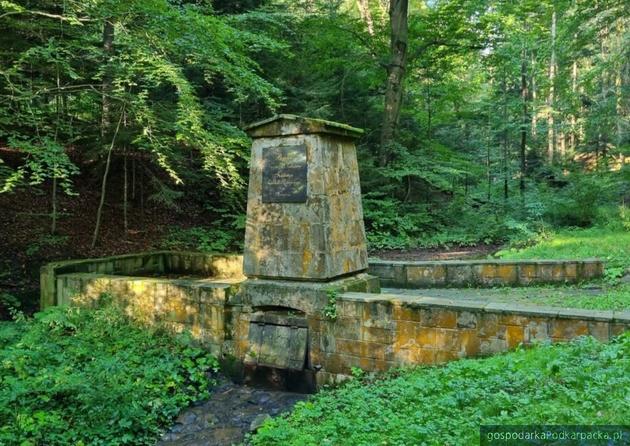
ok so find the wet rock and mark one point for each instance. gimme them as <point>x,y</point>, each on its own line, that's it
<point>231,412</point>
<point>258,421</point>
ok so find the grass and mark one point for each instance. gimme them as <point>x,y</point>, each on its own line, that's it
<point>608,243</point>
<point>92,377</point>
<point>584,382</point>
<point>609,298</point>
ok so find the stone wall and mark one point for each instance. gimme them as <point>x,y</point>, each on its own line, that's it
<point>200,306</point>
<point>158,263</point>
<point>349,324</point>
<point>376,332</point>
<point>391,273</point>
<point>484,273</point>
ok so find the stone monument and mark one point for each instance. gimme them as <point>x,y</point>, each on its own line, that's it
<point>304,239</point>
<point>304,214</point>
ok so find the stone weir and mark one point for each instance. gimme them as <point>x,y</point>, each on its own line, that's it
<point>306,299</point>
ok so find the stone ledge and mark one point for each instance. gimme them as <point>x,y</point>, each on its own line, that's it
<point>420,302</point>
<point>484,273</point>
<point>215,266</point>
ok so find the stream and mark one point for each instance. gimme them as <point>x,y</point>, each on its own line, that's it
<point>232,411</point>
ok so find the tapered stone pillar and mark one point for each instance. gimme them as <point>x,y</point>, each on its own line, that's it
<point>304,214</point>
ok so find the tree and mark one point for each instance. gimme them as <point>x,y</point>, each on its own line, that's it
<point>398,10</point>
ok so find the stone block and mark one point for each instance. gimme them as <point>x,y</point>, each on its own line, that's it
<point>446,340</point>
<point>506,274</point>
<point>492,346</point>
<point>423,356</point>
<point>489,325</point>
<point>469,343</point>
<point>378,335</point>
<point>459,274</point>
<point>346,347</point>
<point>536,330</point>
<point>445,318</point>
<point>466,319</point>
<point>599,330</point>
<point>527,274</point>
<point>514,335</point>
<point>442,356</point>
<point>567,329</point>
<point>617,329</point>
<point>390,273</point>
<point>425,275</point>
<point>403,312</point>
<point>426,337</point>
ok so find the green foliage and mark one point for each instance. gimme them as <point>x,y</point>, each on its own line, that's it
<point>608,243</point>
<point>44,159</point>
<point>9,305</point>
<point>45,241</point>
<point>94,377</point>
<point>567,206</point>
<point>584,382</point>
<point>330,310</point>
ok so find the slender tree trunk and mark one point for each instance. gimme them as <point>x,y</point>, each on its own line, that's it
<point>133,179</point>
<point>366,15</point>
<point>551,146</point>
<point>108,48</point>
<point>53,225</point>
<point>534,129</point>
<point>488,173</point>
<point>99,212</point>
<point>505,146</point>
<point>395,75</point>
<point>429,113</point>
<point>524,120</point>
<point>573,133</point>
<point>125,194</point>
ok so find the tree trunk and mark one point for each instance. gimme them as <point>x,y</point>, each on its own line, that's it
<point>108,47</point>
<point>534,129</point>
<point>395,75</point>
<point>505,146</point>
<point>366,15</point>
<point>573,134</point>
<point>53,225</point>
<point>125,195</point>
<point>524,119</point>
<point>551,146</point>
<point>99,211</point>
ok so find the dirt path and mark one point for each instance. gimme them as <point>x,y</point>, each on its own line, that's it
<point>457,252</point>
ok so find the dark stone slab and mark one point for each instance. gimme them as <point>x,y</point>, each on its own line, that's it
<point>284,174</point>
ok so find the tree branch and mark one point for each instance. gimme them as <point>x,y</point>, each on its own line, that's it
<point>49,15</point>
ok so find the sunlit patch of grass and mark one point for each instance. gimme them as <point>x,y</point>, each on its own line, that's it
<point>609,298</point>
<point>612,245</point>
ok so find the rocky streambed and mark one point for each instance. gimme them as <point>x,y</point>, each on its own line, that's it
<point>232,411</point>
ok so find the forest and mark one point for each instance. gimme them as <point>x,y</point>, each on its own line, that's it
<point>500,128</point>
<point>486,121</point>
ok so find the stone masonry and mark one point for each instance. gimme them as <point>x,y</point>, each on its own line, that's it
<point>316,235</point>
<point>371,331</point>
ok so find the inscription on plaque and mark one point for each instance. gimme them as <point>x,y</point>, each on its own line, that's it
<point>284,174</point>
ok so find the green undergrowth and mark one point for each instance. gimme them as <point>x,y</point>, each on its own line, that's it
<point>584,382</point>
<point>610,243</point>
<point>93,377</point>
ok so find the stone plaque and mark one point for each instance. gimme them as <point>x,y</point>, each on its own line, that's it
<point>284,175</point>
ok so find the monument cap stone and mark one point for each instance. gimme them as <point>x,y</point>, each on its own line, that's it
<point>304,213</point>
<point>286,124</point>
